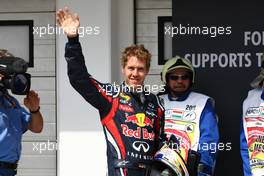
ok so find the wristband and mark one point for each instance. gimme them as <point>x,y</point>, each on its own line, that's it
<point>33,112</point>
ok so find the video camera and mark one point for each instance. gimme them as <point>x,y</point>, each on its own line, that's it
<point>14,76</point>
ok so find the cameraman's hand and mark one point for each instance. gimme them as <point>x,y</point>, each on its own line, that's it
<point>68,21</point>
<point>32,101</point>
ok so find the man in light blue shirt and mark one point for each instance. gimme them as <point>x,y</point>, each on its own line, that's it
<point>14,122</point>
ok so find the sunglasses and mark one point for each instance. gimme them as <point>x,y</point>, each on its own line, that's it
<point>177,77</point>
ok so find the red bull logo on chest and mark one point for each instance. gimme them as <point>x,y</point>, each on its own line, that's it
<point>140,119</point>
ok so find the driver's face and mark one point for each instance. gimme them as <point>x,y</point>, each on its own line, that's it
<point>135,72</point>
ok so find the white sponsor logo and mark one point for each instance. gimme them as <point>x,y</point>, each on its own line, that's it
<point>253,111</point>
<point>141,145</point>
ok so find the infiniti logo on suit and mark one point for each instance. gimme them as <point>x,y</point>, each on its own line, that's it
<point>141,145</point>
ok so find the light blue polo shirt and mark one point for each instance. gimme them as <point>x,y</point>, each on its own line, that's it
<point>14,121</point>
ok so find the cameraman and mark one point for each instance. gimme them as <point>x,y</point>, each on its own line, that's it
<point>14,121</point>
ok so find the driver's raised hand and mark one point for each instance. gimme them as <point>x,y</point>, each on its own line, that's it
<point>68,21</point>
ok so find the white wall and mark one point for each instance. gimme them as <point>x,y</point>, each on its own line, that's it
<point>147,12</point>
<point>81,140</point>
<point>82,148</point>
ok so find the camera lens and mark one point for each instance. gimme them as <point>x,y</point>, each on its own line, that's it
<point>20,83</point>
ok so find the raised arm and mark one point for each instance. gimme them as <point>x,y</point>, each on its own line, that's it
<point>91,90</point>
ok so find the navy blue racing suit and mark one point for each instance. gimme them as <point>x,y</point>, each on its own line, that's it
<point>131,121</point>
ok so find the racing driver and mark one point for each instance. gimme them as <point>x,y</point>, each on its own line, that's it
<point>130,115</point>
